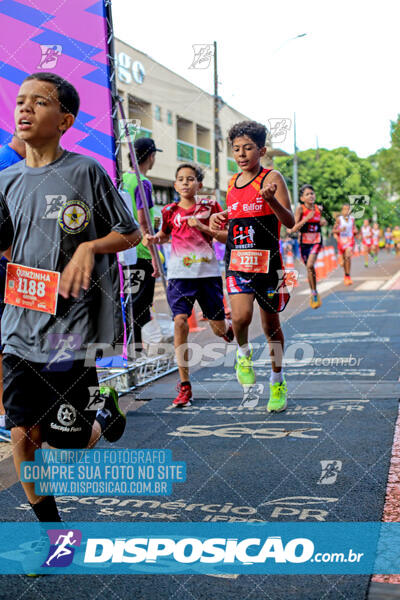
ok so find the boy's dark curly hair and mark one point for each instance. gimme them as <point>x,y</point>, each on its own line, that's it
<point>255,131</point>
<point>199,173</point>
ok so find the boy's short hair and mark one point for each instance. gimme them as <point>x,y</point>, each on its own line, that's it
<point>255,131</point>
<point>67,94</point>
<point>199,173</point>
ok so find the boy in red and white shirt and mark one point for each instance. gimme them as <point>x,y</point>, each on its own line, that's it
<point>344,231</point>
<point>366,241</point>
<point>193,270</point>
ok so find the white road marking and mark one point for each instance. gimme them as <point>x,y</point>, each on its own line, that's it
<point>5,450</point>
<point>391,281</point>
<point>370,284</point>
<point>323,287</point>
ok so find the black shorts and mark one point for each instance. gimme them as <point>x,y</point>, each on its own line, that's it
<point>63,403</point>
<point>307,249</point>
<point>271,293</point>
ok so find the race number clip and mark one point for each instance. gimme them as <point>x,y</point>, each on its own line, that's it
<point>36,289</point>
<point>249,261</point>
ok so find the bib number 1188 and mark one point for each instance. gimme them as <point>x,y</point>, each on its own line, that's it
<point>31,287</point>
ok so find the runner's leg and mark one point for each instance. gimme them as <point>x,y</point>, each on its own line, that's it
<point>25,441</point>
<point>278,390</point>
<point>273,332</point>
<point>242,314</point>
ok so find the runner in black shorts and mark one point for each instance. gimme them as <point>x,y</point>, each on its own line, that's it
<point>258,202</point>
<point>60,217</point>
<point>308,222</point>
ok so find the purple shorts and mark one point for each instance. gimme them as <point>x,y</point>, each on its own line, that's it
<point>208,291</point>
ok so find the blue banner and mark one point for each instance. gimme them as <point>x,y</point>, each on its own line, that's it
<point>200,548</point>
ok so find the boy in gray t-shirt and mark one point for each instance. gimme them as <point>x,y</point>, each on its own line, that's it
<point>61,224</point>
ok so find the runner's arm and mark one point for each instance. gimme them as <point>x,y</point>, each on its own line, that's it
<point>218,221</point>
<point>275,192</point>
<point>144,225</point>
<point>159,238</point>
<point>6,229</point>
<point>299,222</point>
<point>77,273</point>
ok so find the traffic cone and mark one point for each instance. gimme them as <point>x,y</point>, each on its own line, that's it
<point>319,267</point>
<point>331,258</point>
<point>289,260</point>
<point>324,263</point>
<point>334,259</point>
<point>201,316</point>
<point>192,322</point>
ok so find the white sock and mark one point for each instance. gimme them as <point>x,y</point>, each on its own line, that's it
<point>276,377</point>
<point>2,420</point>
<point>228,323</point>
<point>244,350</point>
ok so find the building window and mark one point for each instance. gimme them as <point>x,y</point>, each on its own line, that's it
<point>169,118</point>
<point>157,113</point>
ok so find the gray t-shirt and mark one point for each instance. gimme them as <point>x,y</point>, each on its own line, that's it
<point>45,213</point>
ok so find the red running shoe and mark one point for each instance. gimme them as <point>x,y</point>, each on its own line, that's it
<point>184,396</point>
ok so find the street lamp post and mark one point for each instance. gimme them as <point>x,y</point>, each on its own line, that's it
<point>295,193</point>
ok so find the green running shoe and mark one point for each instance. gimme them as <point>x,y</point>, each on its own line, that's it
<point>115,421</point>
<point>244,369</point>
<point>277,397</point>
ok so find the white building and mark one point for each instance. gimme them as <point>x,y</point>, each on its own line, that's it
<point>179,116</point>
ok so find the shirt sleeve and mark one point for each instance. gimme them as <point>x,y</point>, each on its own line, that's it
<point>166,225</point>
<point>6,226</point>
<point>216,208</point>
<point>110,211</point>
<point>149,196</point>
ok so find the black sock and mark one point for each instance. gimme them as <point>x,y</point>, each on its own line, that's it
<point>46,510</point>
<point>186,383</point>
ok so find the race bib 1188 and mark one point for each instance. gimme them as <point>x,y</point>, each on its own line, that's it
<point>36,289</point>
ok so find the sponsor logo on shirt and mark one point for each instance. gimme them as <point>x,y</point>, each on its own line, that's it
<point>256,206</point>
<point>243,235</point>
<point>177,220</point>
<point>188,261</point>
<point>74,216</point>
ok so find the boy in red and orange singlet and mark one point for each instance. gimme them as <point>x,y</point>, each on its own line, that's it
<point>309,221</point>
<point>193,270</point>
<point>258,202</point>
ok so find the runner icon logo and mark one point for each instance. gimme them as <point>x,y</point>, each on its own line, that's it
<point>330,471</point>
<point>63,346</point>
<point>74,216</point>
<point>54,203</point>
<point>357,205</point>
<point>50,56</point>
<point>278,129</point>
<point>66,415</point>
<point>133,282</point>
<point>62,547</point>
<point>203,54</point>
<point>96,402</point>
